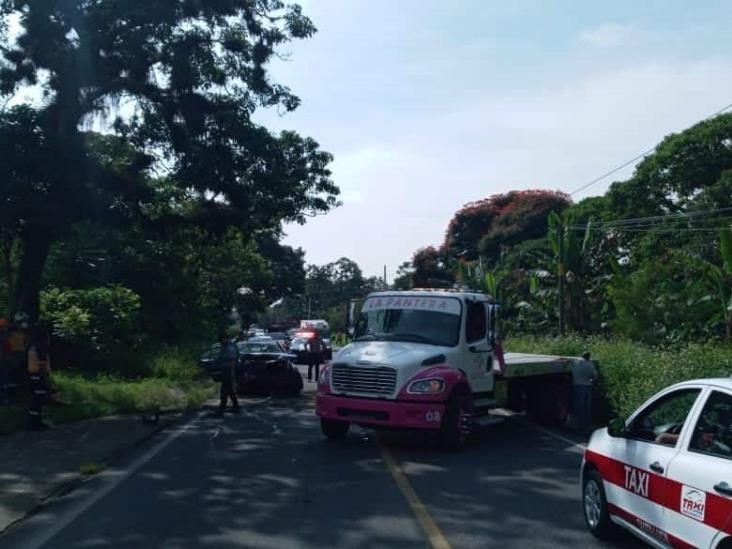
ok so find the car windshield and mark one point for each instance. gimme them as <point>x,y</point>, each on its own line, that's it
<point>261,347</point>
<point>212,353</point>
<point>415,325</point>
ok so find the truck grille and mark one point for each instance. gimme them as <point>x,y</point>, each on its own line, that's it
<point>378,380</point>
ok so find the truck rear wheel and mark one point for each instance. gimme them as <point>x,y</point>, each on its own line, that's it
<point>548,405</point>
<point>334,429</point>
<point>457,423</point>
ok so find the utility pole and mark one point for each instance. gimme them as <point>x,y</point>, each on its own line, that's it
<point>385,285</point>
<point>310,302</point>
<point>560,272</point>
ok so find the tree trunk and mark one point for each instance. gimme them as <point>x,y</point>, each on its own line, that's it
<point>36,246</point>
<point>8,242</point>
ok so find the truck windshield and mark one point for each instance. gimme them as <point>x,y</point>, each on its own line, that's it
<point>418,326</point>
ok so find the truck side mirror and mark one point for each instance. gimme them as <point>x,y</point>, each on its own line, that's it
<point>616,428</point>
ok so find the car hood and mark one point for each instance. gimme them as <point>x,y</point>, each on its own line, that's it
<point>392,353</point>
<point>264,356</point>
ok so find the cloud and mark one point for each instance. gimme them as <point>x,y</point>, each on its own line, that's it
<point>400,193</point>
<point>609,34</point>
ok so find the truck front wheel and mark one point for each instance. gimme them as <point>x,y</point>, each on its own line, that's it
<point>333,429</point>
<point>457,422</point>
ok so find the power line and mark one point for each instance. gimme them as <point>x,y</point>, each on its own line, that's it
<point>642,155</point>
<point>665,229</point>
<point>651,221</point>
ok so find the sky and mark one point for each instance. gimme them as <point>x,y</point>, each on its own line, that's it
<point>427,105</point>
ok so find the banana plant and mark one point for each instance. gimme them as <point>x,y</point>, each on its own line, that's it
<point>569,262</point>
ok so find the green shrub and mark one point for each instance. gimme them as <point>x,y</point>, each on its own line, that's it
<point>95,325</point>
<point>176,363</point>
<point>630,372</point>
<point>106,395</point>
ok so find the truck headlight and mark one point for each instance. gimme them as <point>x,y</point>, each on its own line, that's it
<point>324,378</point>
<point>426,387</point>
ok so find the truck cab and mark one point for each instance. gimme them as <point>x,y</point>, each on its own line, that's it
<point>419,359</point>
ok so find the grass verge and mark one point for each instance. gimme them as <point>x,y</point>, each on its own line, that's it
<point>631,372</point>
<point>174,383</point>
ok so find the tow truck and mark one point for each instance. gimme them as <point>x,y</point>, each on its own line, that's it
<point>431,359</point>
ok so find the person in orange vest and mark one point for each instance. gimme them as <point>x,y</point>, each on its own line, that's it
<point>16,348</point>
<point>39,365</point>
<point>4,362</point>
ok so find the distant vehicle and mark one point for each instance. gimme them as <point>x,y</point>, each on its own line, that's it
<point>298,347</point>
<point>263,367</point>
<point>664,474</point>
<point>309,327</point>
<point>255,330</point>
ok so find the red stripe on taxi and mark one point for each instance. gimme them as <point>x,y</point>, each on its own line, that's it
<point>662,490</point>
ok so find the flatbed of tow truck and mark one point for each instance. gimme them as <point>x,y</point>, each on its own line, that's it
<point>527,364</point>
<point>539,385</point>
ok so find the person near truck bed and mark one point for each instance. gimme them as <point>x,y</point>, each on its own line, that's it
<point>584,374</point>
<point>227,359</point>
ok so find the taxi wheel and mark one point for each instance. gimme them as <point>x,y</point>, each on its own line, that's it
<point>334,429</point>
<point>594,505</point>
<point>457,423</point>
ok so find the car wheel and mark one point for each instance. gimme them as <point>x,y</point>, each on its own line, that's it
<point>458,419</point>
<point>333,429</point>
<point>594,505</point>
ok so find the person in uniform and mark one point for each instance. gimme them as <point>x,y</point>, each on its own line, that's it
<point>315,349</point>
<point>228,357</point>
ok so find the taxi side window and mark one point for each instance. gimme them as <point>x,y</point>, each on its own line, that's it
<point>476,326</point>
<point>662,421</point>
<point>713,431</point>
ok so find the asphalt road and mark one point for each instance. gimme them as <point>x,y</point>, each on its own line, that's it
<point>266,479</point>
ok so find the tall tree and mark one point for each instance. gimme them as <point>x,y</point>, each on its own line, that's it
<point>430,269</point>
<point>482,228</point>
<point>190,75</point>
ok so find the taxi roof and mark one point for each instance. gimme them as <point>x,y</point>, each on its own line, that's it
<point>723,382</point>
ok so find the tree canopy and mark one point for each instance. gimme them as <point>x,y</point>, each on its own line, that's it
<point>177,84</point>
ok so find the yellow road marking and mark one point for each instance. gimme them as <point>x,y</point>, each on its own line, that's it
<point>434,534</point>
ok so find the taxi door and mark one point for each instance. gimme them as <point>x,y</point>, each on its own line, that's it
<point>636,481</point>
<point>700,476</point>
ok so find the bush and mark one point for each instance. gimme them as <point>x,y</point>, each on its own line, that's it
<point>176,363</point>
<point>93,325</point>
<point>107,395</point>
<point>630,372</point>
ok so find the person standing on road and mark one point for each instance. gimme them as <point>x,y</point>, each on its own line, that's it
<point>315,349</point>
<point>4,362</point>
<point>584,374</point>
<point>228,357</point>
<point>39,364</point>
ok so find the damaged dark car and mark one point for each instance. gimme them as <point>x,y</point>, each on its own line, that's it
<point>263,367</point>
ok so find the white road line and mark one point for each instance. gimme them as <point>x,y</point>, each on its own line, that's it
<point>572,443</point>
<point>116,478</point>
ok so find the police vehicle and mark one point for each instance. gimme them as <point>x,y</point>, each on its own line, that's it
<point>665,473</point>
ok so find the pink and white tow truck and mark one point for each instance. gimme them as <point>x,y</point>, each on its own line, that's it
<point>430,360</point>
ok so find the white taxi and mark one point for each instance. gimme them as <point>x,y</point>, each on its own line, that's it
<point>665,473</point>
